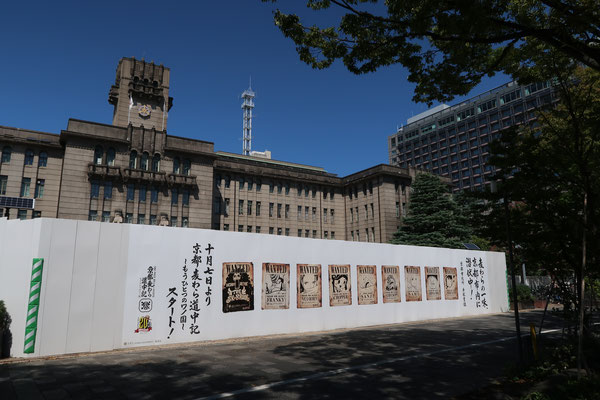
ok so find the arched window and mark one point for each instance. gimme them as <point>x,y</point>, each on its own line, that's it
<point>144,164</point>
<point>176,162</point>
<point>187,166</point>
<point>6,153</point>
<point>133,159</point>
<point>29,157</point>
<point>110,156</point>
<point>156,163</point>
<point>43,159</point>
<point>98,155</point>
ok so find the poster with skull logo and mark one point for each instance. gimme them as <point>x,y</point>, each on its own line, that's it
<point>238,287</point>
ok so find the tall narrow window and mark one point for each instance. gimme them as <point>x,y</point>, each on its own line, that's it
<point>250,184</point>
<point>227,182</point>
<point>306,213</point>
<point>95,191</point>
<point>226,206</point>
<point>105,216</point>
<point>110,156</point>
<point>176,165</point>
<point>278,210</point>
<point>314,213</point>
<point>156,163</point>
<point>39,188</point>
<point>42,159</point>
<point>217,206</point>
<point>287,210</point>
<point>271,209</point>
<point>3,182</point>
<point>130,191</point>
<point>332,213</point>
<point>185,197</point>
<point>324,214</point>
<point>174,196</point>
<point>258,209</point>
<point>133,159</point>
<point>6,154</point>
<point>92,215</point>
<point>141,219</point>
<point>25,184</point>
<point>98,155</point>
<point>29,157</point>
<point>187,167</point>
<point>249,207</point>
<point>241,207</point>
<point>258,186</point>
<point>142,193</point>
<point>154,195</point>
<point>299,212</point>
<point>108,190</point>
<point>144,161</point>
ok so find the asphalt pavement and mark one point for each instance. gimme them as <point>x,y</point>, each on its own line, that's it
<point>426,360</point>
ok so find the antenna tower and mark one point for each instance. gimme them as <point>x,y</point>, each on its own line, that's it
<point>247,106</point>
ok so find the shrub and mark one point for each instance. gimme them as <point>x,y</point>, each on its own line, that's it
<point>523,293</point>
<point>5,319</point>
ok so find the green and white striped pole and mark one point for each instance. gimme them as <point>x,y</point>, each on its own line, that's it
<point>34,305</point>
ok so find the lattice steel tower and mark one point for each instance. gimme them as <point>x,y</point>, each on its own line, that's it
<point>247,106</point>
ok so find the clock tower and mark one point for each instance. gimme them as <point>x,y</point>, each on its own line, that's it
<point>140,95</point>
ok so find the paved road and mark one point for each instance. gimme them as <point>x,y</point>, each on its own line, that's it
<point>428,360</point>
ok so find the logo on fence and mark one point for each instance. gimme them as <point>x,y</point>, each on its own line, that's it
<point>144,324</point>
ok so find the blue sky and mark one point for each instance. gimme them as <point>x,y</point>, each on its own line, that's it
<point>59,60</point>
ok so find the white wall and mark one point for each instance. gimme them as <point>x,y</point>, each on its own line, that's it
<point>92,273</point>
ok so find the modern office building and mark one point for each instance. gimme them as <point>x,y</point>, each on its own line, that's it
<point>133,171</point>
<point>454,141</point>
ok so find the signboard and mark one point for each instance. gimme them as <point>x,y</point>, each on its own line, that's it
<point>275,286</point>
<point>367,284</point>
<point>390,280</point>
<point>412,276</point>
<point>309,285</point>
<point>340,292</point>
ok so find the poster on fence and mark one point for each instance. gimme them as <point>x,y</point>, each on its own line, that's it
<point>340,292</point>
<point>390,278</point>
<point>367,284</point>
<point>413,283</point>
<point>450,283</point>
<point>276,286</point>
<point>238,286</point>
<point>432,283</point>
<point>309,285</point>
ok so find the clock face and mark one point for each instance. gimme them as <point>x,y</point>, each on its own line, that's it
<point>144,110</point>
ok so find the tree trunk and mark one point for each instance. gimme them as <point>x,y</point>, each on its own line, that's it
<point>582,290</point>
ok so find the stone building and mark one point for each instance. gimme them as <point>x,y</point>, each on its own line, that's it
<point>133,171</point>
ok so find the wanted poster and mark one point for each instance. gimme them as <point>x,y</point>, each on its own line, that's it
<point>432,283</point>
<point>238,287</point>
<point>309,285</point>
<point>390,280</point>
<point>367,284</point>
<point>275,286</point>
<point>450,283</point>
<point>412,275</point>
<point>340,293</point>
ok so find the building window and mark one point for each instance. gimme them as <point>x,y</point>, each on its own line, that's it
<point>314,235</point>
<point>154,195</point>
<point>225,227</point>
<point>144,163</point>
<point>25,184</point>
<point>105,216</point>
<point>287,211</point>
<point>299,232</point>
<point>271,210</point>
<point>314,214</point>
<point>226,207</point>
<point>258,185</point>
<point>352,235</point>
<point>299,212</point>
<point>95,191</point>
<point>6,154</point>
<point>130,191</point>
<point>326,235</point>
<point>36,214</point>
<point>279,188</point>
<point>279,206</point>
<point>332,235</point>
<point>142,193</point>
<point>133,159</point>
<point>351,215</point>
<point>357,236</point>
<point>287,189</point>
<point>173,221</point>
<point>306,233</point>
<point>141,219</point>
<point>279,230</point>
<point>305,191</point>
<point>42,159</point>
<point>271,186</point>
<point>332,213</point>
<point>3,182</point>
<point>249,209</point>
<point>373,235</point>
<point>372,211</point>
<point>366,212</point>
<point>176,166</point>
<point>217,207</point>
<point>129,218</point>
<point>184,222</point>
<point>241,207</point>
<point>108,190</point>
<point>218,180</point>
<point>257,229</point>
<point>92,215</point>
<point>250,184</point>
<point>153,220</point>
<point>271,230</point>
<point>324,194</point>
<point>174,196</point>
<point>29,157</point>
<point>156,163</point>
<point>227,182</point>
<point>187,167</point>
<point>287,231</point>
<point>110,156</point>
<point>397,209</point>
<point>185,197</point>
<point>242,181</point>
<point>22,215</point>
<point>249,228</point>
<point>98,155</point>
<point>39,188</point>
<point>258,208</point>
<point>325,215</point>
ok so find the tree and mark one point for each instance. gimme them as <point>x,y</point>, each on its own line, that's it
<point>447,46</point>
<point>434,218</point>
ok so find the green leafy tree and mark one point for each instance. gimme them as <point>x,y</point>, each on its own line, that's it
<point>447,46</point>
<point>434,218</point>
